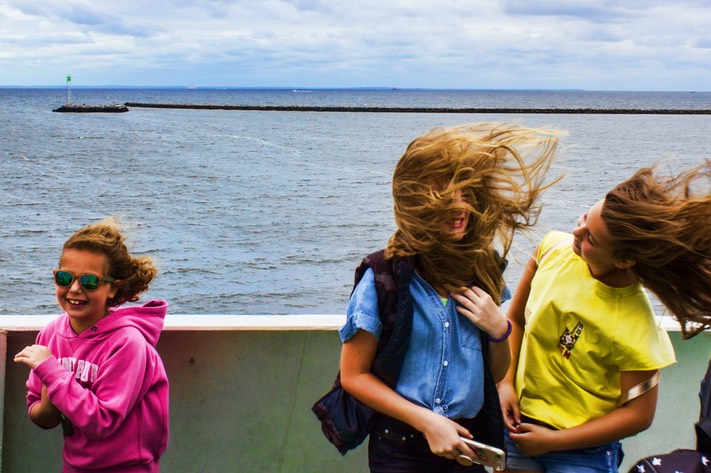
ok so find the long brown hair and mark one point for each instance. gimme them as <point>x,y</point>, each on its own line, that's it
<point>500,169</point>
<point>663,224</point>
<point>133,274</point>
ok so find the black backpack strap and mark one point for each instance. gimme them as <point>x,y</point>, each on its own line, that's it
<point>386,287</point>
<point>392,350</point>
<point>392,280</point>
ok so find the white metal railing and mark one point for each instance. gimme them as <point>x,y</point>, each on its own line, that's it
<point>178,322</point>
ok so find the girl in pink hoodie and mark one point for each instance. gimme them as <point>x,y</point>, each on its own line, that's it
<point>95,368</point>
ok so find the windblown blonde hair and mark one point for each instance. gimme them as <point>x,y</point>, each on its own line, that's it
<point>500,170</point>
<point>133,274</point>
<point>663,224</point>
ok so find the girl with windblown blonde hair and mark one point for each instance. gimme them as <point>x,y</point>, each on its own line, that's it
<point>586,347</point>
<point>459,195</point>
<point>485,165</point>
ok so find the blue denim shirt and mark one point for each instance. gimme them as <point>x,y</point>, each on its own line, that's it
<point>443,365</point>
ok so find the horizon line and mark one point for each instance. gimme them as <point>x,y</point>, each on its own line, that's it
<point>296,88</point>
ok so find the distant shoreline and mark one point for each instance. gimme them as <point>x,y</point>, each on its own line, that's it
<point>307,108</point>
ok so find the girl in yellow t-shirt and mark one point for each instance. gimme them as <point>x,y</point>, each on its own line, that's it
<point>583,328</point>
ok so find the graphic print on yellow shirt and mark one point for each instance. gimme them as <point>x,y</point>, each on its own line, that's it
<point>568,339</point>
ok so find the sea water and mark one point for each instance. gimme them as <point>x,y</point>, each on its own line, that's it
<point>249,212</point>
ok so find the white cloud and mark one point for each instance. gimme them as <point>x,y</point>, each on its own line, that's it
<point>593,44</point>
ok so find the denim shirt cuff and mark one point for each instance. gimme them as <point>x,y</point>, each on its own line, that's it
<point>360,321</point>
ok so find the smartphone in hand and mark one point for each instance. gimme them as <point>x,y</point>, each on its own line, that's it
<point>484,455</point>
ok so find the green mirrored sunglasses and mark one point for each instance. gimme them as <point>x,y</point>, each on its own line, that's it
<point>88,282</point>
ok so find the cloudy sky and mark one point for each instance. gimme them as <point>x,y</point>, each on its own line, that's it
<point>478,44</point>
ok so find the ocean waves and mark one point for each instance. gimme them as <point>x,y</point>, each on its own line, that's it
<point>249,212</point>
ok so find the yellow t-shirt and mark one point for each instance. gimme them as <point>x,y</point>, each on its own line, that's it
<point>579,335</point>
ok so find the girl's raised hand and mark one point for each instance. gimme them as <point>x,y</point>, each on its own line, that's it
<point>33,355</point>
<point>478,306</point>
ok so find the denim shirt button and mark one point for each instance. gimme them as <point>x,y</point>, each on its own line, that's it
<point>446,325</point>
<point>438,400</point>
<point>445,363</point>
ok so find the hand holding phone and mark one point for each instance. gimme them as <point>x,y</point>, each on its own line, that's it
<point>484,455</point>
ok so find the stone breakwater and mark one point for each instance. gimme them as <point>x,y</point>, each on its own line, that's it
<point>307,108</point>
<point>84,108</point>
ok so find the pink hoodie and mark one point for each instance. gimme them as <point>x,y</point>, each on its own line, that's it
<point>111,385</point>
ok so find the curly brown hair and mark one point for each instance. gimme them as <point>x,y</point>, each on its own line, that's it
<point>663,225</point>
<point>500,170</point>
<point>133,274</point>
